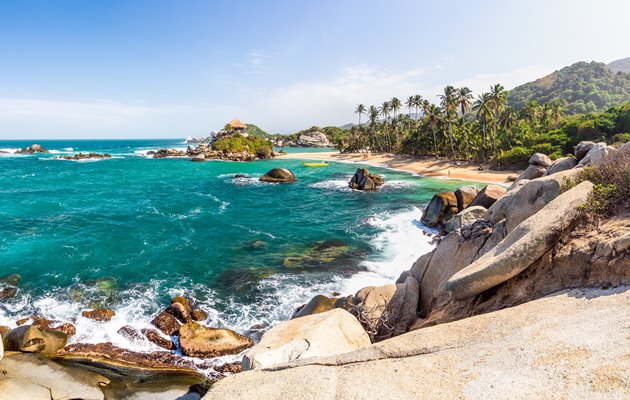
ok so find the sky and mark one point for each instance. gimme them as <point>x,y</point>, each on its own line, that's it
<point>165,68</point>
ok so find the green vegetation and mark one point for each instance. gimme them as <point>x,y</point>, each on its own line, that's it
<point>254,130</point>
<point>611,180</point>
<point>333,133</point>
<point>581,87</point>
<point>485,129</point>
<point>237,143</point>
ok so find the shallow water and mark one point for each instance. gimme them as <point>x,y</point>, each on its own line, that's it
<point>130,232</point>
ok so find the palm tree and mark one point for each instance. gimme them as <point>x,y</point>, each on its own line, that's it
<point>531,113</point>
<point>410,103</point>
<point>464,97</point>
<point>360,110</point>
<point>372,114</point>
<point>484,114</point>
<point>417,102</point>
<point>448,102</point>
<point>385,113</point>
<point>434,117</point>
<point>498,101</point>
<point>557,113</point>
<point>507,121</point>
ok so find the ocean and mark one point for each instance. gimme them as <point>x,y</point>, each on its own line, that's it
<point>130,232</point>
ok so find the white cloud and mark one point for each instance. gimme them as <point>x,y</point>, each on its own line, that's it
<point>510,79</point>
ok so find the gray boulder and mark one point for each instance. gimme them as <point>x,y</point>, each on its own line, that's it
<point>464,196</point>
<point>488,196</point>
<point>440,209</point>
<point>540,159</point>
<point>582,148</point>
<point>598,152</point>
<point>521,247</point>
<point>278,175</point>
<point>561,164</point>
<point>466,217</point>
<point>363,180</point>
<point>313,139</point>
<point>532,172</point>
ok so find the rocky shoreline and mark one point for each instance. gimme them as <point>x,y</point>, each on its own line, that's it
<point>497,248</point>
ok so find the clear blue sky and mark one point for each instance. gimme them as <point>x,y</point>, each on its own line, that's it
<point>154,68</point>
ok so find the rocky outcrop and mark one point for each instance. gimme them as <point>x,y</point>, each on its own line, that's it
<point>541,160</point>
<point>44,323</point>
<point>154,337</point>
<point>34,148</point>
<point>165,153</point>
<point>532,172</point>
<point>573,344</point>
<point>31,339</point>
<point>465,217</point>
<point>318,335</point>
<point>166,323</point>
<point>561,164</point>
<point>197,340</point>
<point>33,377</point>
<point>582,148</point>
<point>488,196</point>
<point>465,195</point>
<point>521,247</point>
<point>363,180</point>
<point>278,175</point>
<point>387,311</point>
<point>85,156</point>
<point>440,209</point>
<point>597,152</point>
<point>313,139</point>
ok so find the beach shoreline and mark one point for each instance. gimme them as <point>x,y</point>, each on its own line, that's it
<point>427,166</point>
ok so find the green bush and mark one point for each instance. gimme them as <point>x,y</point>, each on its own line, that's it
<point>238,143</point>
<point>517,155</point>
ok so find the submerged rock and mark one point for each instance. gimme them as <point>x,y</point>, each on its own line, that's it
<point>197,340</point>
<point>278,175</point>
<point>99,314</point>
<point>8,292</point>
<point>154,337</point>
<point>328,254</point>
<point>318,335</point>
<point>85,156</point>
<point>363,180</point>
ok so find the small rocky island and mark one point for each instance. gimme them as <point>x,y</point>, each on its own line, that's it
<point>85,156</point>
<point>232,143</point>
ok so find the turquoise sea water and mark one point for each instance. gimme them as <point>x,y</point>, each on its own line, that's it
<point>130,232</point>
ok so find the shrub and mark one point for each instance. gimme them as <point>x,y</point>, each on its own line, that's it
<point>238,143</point>
<point>611,180</point>
<point>517,155</point>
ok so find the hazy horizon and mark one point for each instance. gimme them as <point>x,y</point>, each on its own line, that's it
<point>156,69</point>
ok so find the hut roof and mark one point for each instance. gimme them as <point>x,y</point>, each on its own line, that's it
<point>236,124</point>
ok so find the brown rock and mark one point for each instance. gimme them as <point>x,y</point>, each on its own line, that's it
<point>31,339</point>
<point>179,311</point>
<point>464,196</point>
<point>130,333</point>
<point>441,205</point>
<point>99,314</point>
<point>7,292</point>
<point>278,175</point>
<point>45,323</point>
<point>363,180</point>
<point>199,315</point>
<point>166,323</point>
<point>156,338</point>
<point>487,196</point>
<point>317,304</point>
<point>197,340</point>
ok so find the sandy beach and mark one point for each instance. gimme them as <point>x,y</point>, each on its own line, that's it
<point>429,167</point>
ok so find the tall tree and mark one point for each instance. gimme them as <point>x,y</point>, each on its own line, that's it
<point>507,122</point>
<point>373,114</point>
<point>410,104</point>
<point>498,102</point>
<point>483,106</point>
<point>448,102</point>
<point>360,110</point>
<point>464,100</point>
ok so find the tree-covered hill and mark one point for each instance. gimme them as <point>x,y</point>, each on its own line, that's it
<point>254,130</point>
<point>582,87</point>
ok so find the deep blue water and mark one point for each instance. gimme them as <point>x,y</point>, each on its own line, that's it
<point>131,231</point>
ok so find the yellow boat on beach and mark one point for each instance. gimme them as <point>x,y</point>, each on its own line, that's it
<point>315,164</point>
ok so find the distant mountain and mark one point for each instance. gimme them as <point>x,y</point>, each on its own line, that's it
<point>347,126</point>
<point>582,87</point>
<point>256,131</point>
<point>622,65</point>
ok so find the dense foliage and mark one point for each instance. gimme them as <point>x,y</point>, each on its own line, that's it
<point>581,87</point>
<point>486,129</point>
<point>254,130</point>
<point>333,133</point>
<point>237,143</point>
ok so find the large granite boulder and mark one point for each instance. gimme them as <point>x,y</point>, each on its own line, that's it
<point>465,217</point>
<point>197,340</point>
<point>561,164</point>
<point>31,339</point>
<point>439,210</point>
<point>363,180</point>
<point>526,198</point>
<point>313,139</point>
<point>318,335</point>
<point>316,305</point>
<point>598,152</point>
<point>34,148</point>
<point>540,159</point>
<point>465,195</point>
<point>522,246</point>
<point>388,310</point>
<point>278,175</point>
<point>488,196</point>
<point>531,172</point>
<point>582,148</point>
<point>34,377</point>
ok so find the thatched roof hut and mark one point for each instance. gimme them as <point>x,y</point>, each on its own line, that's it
<point>237,125</point>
